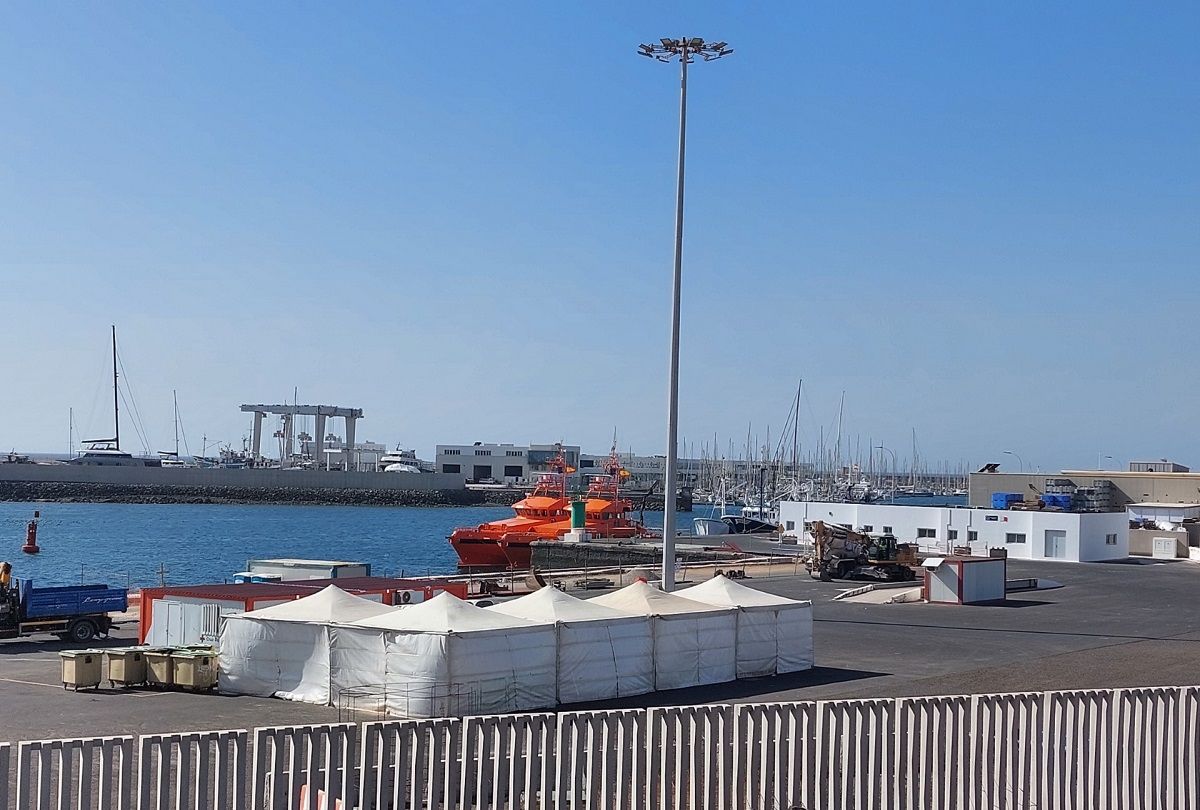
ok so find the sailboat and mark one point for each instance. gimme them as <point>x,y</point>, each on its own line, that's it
<point>169,458</point>
<point>108,452</point>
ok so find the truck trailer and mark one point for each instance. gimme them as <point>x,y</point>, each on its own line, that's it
<point>76,612</point>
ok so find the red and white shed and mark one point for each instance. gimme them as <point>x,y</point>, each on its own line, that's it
<point>964,580</point>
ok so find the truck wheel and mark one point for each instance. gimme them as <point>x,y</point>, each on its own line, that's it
<point>81,630</point>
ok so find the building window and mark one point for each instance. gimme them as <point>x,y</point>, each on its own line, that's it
<point>483,452</point>
<point>951,534</point>
<point>513,471</point>
<point>1110,539</point>
<point>926,533</point>
<point>451,468</point>
<point>972,536</point>
<point>513,453</point>
<point>452,452</point>
<point>867,529</point>
<point>887,529</point>
<point>1014,537</point>
<point>791,525</point>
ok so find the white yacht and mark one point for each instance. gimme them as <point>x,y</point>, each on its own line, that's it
<point>400,461</point>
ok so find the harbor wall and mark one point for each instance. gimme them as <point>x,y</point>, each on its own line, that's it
<point>65,482</point>
<point>220,477</point>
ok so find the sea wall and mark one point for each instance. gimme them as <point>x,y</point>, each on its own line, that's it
<point>66,483</point>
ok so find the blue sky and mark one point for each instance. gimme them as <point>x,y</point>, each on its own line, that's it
<point>979,221</point>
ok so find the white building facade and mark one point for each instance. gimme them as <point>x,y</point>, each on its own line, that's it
<point>501,463</point>
<point>1026,535</point>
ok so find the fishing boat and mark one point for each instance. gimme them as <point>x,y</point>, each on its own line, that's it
<point>545,515</point>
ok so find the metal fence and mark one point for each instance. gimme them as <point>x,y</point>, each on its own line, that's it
<point>1128,748</point>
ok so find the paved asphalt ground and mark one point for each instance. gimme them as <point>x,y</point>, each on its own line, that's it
<point>1110,625</point>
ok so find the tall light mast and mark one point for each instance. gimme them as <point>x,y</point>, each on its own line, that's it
<point>685,49</point>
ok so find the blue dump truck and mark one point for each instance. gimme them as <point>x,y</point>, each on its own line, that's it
<point>77,613</point>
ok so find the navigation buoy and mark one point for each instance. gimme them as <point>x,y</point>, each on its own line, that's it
<point>31,546</point>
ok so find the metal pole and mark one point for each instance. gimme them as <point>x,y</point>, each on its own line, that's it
<point>668,558</point>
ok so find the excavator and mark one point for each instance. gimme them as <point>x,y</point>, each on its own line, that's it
<point>839,552</point>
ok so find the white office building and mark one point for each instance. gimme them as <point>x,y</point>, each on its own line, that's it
<point>501,463</point>
<point>1032,535</point>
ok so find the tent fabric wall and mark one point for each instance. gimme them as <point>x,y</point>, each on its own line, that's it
<point>445,656</point>
<point>774,634</point>
<point>598,660</point>
<point>285,650</point>
<point>289,660</point>
<point>602,653</point>
<point>694,643</point>
<point>357,661</point>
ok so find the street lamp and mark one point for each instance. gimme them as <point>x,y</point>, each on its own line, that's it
<point>1020,463</point>
<point>686,50</point>
<point>892,491</point>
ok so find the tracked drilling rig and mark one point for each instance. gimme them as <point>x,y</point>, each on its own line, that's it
<point>839,552</point>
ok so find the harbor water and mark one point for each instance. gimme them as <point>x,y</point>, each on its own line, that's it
<point>145,544</point>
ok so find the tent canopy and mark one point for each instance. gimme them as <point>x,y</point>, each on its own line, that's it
<point>444,613</point>
<point>722,590</point>
<point>330,604</point>
<point>549,604</point>
<point>642,600</point>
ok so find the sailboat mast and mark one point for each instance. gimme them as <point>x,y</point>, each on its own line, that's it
<point>796,438</point>
<point>175,399</point>
<point>116,412</point>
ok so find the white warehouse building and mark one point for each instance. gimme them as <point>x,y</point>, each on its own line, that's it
<point>1032,535</point>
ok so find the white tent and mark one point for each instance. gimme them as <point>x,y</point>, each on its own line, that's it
<point>694,643</point>
<point>447,657</point>
<point>602,653</point>
<point>283,650</point>
<point>775,634</point>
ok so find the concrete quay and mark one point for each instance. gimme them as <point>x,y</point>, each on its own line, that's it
<point>1110,625</point>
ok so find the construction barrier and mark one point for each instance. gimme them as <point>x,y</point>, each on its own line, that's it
<point>1128,748</point>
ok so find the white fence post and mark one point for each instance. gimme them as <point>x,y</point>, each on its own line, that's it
<point>1006,749</point>
<point>410,763</point>
<point>601,760</point>
<point>507,760</point>
<point>774,755</point>
<point>295,764</point>
<point>193,771</point>
<point>932,752</point>
<point>84,773</point>
<point>691,757</point>
<point>5,774</point>
<point>854,753</point>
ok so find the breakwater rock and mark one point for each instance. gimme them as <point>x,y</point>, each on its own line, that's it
<point>79,492</point>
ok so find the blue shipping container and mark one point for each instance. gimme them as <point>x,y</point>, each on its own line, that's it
<point>1002,500</point>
